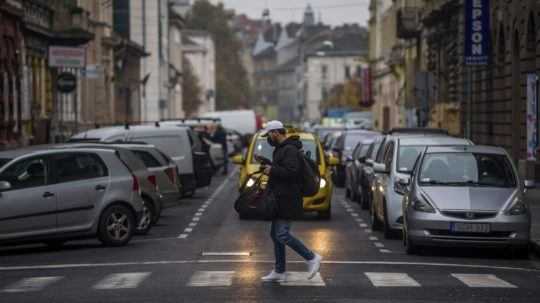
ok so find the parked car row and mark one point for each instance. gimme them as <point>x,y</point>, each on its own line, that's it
<point>436,190</point>
<point>108,183</point>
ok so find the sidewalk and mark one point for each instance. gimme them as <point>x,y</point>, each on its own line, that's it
<point>533,197</point>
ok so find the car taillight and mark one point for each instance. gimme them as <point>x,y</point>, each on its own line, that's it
<point>171,173</point>
<point>136,187</point>
<point>152,179</point>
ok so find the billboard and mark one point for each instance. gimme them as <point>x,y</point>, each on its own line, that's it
<point>67,57</point>
<point>477,32</point>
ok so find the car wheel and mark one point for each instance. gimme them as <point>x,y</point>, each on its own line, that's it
<point>116,226</point>
<point>325,214</point>
<point>520,252</point>
<point>148,214</point>
<point>375,223</point>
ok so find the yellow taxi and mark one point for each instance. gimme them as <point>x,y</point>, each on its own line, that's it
<point>249,167</point>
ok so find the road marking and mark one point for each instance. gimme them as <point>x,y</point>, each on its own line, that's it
<point>348,209</point>
<point>373,238</point>
<point>122,281</point>
<point>198,214</point>
<point>379,244</point>
<point>385,251</point>
<point>239,254</point>
<point>192,224</point>
<point>240,261</point>
<point>301,279</point>
<point>482,281</point>
<point>354,214</point>
<point>202,209</point>
<point>391,280</point>
<point>196,219</point>
<point>188,230</point>
<point>211,279</point>
<point>364,225</point>
<point>183,236</point>
<point>31,284</point>
<point>368,231</point>
<point>359,220</point>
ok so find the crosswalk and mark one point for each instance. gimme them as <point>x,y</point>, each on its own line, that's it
<point>132,280</point>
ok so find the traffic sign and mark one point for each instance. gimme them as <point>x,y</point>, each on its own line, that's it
<point>66,82</point>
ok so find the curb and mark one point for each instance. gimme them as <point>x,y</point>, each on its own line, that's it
<point>535,246</point>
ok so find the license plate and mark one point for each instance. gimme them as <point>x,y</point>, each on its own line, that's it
<point>470,228</point>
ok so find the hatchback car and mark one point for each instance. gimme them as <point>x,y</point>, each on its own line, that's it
<point>53,195</point>
<point>400,154</point>
<point>321,202</point>
<point>468,196</point>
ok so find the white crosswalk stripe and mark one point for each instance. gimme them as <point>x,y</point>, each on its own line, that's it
<point>31,284</point>
<point>482,281</point>
<point>301,279</point>
<point>211,279</point>
<point>391,280</point>
<point>122,280</point>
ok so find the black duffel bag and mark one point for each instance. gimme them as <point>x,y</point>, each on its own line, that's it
<point>256,202</point>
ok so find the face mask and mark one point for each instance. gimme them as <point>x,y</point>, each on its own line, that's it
<point>270,141</point>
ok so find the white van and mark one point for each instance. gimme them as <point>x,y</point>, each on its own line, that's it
<point>181,144</point>
<point>243,121</point>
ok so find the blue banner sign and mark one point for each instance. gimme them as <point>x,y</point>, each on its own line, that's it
<point>477,32</point>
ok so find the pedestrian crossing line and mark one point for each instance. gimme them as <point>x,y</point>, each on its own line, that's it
<point>31,284</point>
<point>301,279</point>
<point>122,281</point>
<point>211,279</point>
<point>482,281</point>
<point>391,280</point>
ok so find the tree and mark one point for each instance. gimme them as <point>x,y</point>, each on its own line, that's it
<point>191,90</point>
<point>233,90</point>
<point>345,95</point>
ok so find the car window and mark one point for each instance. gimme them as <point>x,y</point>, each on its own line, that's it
<point>381,152</point>
<point>170,145</point>
<point>132,162</point>
<point>466,169</point>
<point>389,154</point>
<point>4,161</point>
<point>27,173</point>
<point>71,167</point>
<point>364,151</point>
<point>407,157</point>
<point>148,159</point>
<point>357,150</point>
<point>262,148</point>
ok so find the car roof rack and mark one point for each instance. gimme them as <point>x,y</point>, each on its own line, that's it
<point>417,130</point>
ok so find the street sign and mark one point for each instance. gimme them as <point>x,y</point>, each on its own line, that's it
<point>67,57</point>
<point>66,83</point>
<point>477,32</point>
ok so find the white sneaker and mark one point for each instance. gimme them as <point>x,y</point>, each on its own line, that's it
<point>274,277</point>
<point>314,266</point>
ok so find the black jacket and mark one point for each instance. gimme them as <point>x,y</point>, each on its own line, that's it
<point>285,178</point>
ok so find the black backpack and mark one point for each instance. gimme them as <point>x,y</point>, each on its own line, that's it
<point>311,177</point>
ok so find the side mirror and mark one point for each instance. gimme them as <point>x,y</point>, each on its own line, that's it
<point>380,168</point>
<point>4,185</point>
<point>238,159</point>
<point>529,184</point>
<point>349,158</point>
<point>370,162</point>
<point>362,159</point>
<point>402,185</point>
<point>333,161</point>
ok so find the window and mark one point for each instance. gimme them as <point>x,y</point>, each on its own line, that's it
<point>389,155</point>
<point>147,158</point>
<point>347,72</point>
<point>78,166</point>
<point>26,173</point>
<point>262,148</point>
<point>324,71</point>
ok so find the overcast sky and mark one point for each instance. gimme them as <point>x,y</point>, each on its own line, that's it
<point>334,12</point>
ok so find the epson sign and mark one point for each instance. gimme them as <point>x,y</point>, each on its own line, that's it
<point>477,32</point>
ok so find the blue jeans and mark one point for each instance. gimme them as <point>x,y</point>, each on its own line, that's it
<point>281,236</point>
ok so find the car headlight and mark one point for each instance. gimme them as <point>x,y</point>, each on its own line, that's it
<point>250,183</point>
<point>322,183</point>
<point>421,205</point>
<point>517,207</point>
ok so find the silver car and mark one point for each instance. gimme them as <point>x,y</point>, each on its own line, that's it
<point>468,196</point>
<point>52,195</point>
<point>399,155</point>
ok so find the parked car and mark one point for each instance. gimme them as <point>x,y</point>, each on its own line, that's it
<point>242,121</point>
<point>322,201</point>
<point>343,148</point>
<point>466,196</point>
<point>53,195</point>
<point>354,169</point>
<point>179,143</point>
<point>400,154</point>
<point>235,142</point>
<point>368,174</point>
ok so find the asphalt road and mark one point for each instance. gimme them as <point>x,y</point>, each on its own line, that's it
<point>184,259</point>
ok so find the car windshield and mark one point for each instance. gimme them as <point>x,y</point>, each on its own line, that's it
<point>263,149</point>
<point>3,161</point>
<point>351,140</point>
<point>466,169</point>
<point>407,157</point>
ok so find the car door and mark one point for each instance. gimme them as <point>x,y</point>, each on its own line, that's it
<point>201,161</point>
<point>385,180</point>
<point>81,180</point>
<point>29,207</point>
